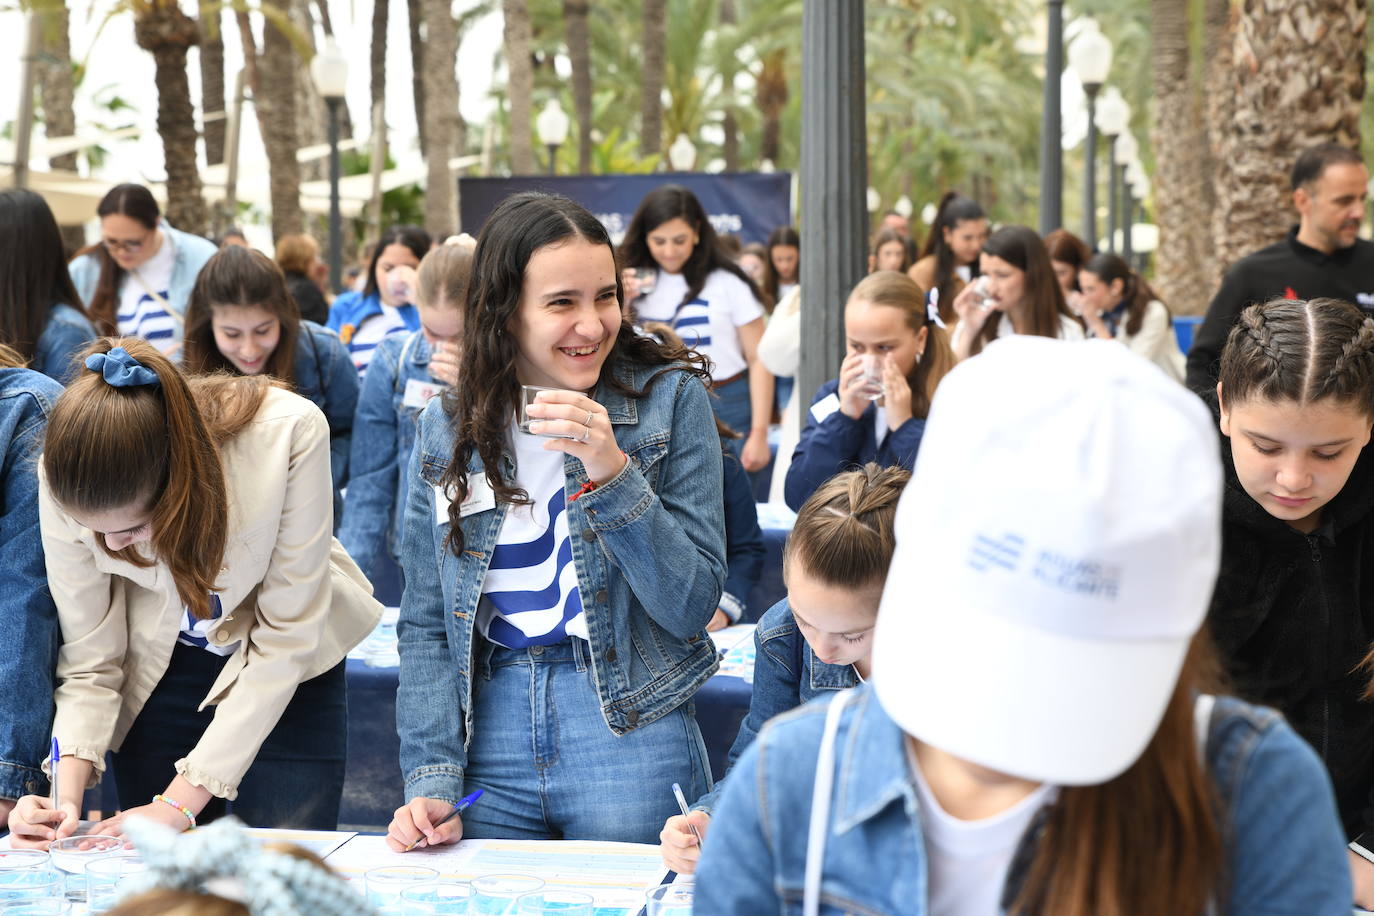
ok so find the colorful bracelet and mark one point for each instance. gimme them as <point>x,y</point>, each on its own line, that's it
<point>178,805</point>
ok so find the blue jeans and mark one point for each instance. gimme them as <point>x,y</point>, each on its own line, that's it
<point>731,404</point>
<point>552,769</point>
<point>297,778</point>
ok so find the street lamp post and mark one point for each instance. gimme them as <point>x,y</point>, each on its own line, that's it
<point>1127,150</point>
<point>1134,181</point>
<point>1112,116</point>
<point>552,126</point>
<point>329,70</point>
<point>1090,56</point>
<point>1051,129</point>
<point>682,154</point>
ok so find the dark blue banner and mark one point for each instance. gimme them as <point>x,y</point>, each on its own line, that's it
<point>746,204</point>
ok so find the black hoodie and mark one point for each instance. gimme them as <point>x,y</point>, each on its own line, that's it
<point>1294,619</point>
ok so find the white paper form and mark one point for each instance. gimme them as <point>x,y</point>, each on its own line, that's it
<point>320,842</point>
<point>616,875</point>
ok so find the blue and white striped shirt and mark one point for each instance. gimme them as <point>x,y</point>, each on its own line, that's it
<point>143,306</point>
<point>197,632</point>
<point>530,596</point>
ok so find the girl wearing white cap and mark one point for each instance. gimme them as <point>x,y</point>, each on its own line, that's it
<point>1036,739</point>
<point>820,637</point>
<point>1292,614</point>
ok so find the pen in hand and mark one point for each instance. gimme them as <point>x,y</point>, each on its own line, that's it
<point>55,796</point>
<point>459,808</point>
<point>682,803</point>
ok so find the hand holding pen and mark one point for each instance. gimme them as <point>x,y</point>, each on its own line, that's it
<point>36,821</point>
<point>427,822</point>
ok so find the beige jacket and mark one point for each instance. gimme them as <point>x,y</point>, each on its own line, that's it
<point>299,603</point>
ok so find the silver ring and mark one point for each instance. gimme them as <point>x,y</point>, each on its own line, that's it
<point>587,434</point>
<point>588,424</point>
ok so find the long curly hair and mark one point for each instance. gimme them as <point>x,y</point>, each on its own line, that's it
<point>480,409</point>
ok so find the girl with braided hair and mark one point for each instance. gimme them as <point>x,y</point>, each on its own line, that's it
<point>819,638</point>
<point>1292,613</point>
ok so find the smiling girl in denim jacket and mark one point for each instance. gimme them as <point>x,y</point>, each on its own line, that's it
<point>818,638</point>
<point>558,581</point>
<point>406,371</point>
<point>242,320</point>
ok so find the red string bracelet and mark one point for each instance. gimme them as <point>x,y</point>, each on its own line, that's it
<point>591,485</point>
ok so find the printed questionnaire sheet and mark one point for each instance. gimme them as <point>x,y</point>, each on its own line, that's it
<point>320,842</point>
<point>615,874</point>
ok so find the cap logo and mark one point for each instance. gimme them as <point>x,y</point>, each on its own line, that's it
<point>1004,552</point>
<point>1083,577</point>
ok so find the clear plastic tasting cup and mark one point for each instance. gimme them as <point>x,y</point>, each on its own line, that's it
<point>496,895</point>
<point>106,875</point>
<point>670,900</point>
<point>556,902</point>
<point>70,856</point>
<point>384,885</point>
<point>451,898</point>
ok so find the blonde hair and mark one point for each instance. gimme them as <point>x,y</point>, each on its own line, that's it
<point>443,275</point>
<point>843,535</point>
<point>11,358</point>
<point>896,290</point>
<point>297,253</point>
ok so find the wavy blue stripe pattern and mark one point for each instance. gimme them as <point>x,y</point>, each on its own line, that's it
<point>502,627</point>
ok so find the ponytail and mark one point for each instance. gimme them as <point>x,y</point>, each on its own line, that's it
<point>844,533</point>
<point>151,447</point>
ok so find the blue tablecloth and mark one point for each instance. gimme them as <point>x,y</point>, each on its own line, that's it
<point>373,788</point>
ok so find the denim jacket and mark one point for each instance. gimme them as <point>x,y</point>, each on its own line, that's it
<point>66,334</point>
<point>649,551</point>
<point>192,252</point>
<point>28,619</point>
<point>326,376</point>
<point>1285,852</point>
<point>351,309</point>
<point>839,443</point>
<point>787,674</point>
<point>383,436</point>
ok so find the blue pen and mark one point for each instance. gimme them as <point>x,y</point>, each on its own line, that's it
<point>457,810</point>
<point>53,763</point>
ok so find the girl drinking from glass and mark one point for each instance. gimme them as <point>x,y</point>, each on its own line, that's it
<point>407,370</point>
<point>896,354</point>
<point>385,306</point>
<point>712,304</point>
<point>41,315</point>
<point>1019,286</point>
<point>137,280</point>
<point>949,260</point>
<point>243,321</point>
<point>186,528</point>
<point>818,638</point>
<point>557,581</point>
<point>1116,303</point>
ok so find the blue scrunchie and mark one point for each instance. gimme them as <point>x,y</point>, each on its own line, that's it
<point>120,370</point>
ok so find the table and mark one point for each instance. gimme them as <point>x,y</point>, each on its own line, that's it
<point>373,787</point>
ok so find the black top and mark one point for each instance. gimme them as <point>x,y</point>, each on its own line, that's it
<point>308,297</point>
<point>1286,269</point>
<point>1293,620</point>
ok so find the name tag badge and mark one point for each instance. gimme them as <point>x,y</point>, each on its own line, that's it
<point>418,392</point>
<point>822,409</point>
<point>480,497</point>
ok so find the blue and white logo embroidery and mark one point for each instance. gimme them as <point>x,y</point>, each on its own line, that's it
<point>1004,552</point>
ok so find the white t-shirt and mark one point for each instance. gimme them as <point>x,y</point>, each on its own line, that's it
<point>1068,329</point>
<point>143,314</point>
<point>374,329</point>
<point>784,289</point>
<point>530,596</point>
<point>708,323</point>
<point>968,861</point>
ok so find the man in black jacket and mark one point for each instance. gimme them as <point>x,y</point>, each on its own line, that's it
<point>1322,256</point>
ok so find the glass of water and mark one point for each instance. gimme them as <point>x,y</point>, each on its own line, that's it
<point>555,902</point>
<point>443,899</point>
<point>648,279</point>
<point>496,895</point>
<point>71,855</point>
<point>104,876</point>
<point>670,900</point>
<point>385,885</point>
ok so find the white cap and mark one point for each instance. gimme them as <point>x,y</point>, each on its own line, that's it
<point>1056,550</point>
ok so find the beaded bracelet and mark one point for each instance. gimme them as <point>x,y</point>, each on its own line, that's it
<point>178,805</point>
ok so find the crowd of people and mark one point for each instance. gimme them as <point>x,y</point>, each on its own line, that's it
<point>1061,635</point>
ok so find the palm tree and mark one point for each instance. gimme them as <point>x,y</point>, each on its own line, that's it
<point>212,83</point>
<point>1180,148</point>
<point>519,46</point>
<point>162,29</point>
<point>1218,108</point>
<point>651,82</point>
<point>771,94</point>
<point>440,127</point>
<point>278,65</point>
<point>1298,77</point>
<point>580,55</point>
<point>415,16</point>
<point>57,91</point>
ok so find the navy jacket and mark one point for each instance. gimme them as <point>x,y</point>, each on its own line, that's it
<point>838,443</point>
<point>744,550</point>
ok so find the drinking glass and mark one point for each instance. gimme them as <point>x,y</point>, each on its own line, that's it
<point>384,885</point>
<point>873,376</point>
<point>70,856</point>
<point>20,859</point>
<point>670,900</point>
<point>18,884</point>
<point>555,902</point>
<point>105,875</point>
<point>452,898</point>
<point>527,395</point>
<point>496,895</point>
<point>648,279</point>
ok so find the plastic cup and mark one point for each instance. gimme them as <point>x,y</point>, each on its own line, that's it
<point>70,856</point>
<point>670,900</point>
<point>648,279</point>
<point>443,899</point>
<point>555,902</point>
<point>24,884</point>
<point>873,376</point>
<point>384,885</point>
<point>527,395</point>
<point>497,895</point>
<point>20,859</point>
<point>52,907</point>
<point>105,875</point>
